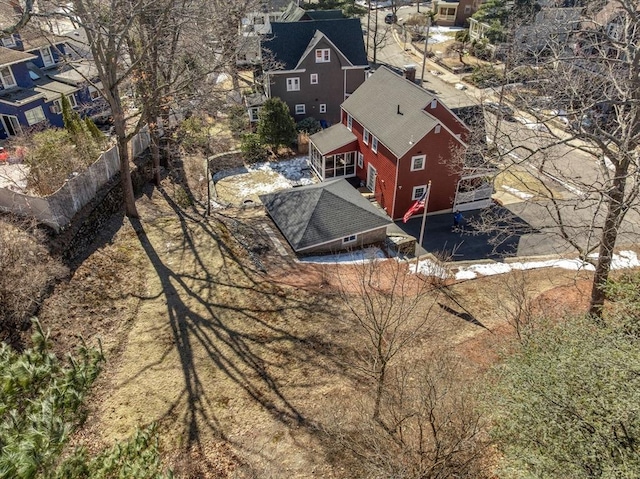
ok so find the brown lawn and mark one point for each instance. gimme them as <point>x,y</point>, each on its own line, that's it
<point>243,369</point>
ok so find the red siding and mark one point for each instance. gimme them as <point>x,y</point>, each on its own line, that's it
<point>440,169</point>
<point>448,119</point>
<point>384,162</point>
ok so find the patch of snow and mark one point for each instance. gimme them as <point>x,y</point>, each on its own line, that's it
<point>622,260</point>
<point>294,170</point>
<point>429,268</point>
<point>346,258</point>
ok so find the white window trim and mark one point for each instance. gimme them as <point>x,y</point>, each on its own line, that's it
<point>374,144</point>
<point>349,122</point>
<point>365,136</point>
<point>349,239</point>
<point>300,109</point>
<point>9,41</point>
<point>56,106</point>
<point>94,93</point>
<point>37,111</point>
<point>323,55</point>
<point>323,107</point>
<point>72,100</point>
<point>313,79</point>
<point>44,61</point>
<point>254,113</point>
<point>360,160</point>
<point>418,157</point>
<point>437,129</point>
<point>293,84</point>
<point>434,103</point>
<point>2,78</point>
<point>414,195</point>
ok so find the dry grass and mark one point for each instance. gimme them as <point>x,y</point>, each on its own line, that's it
<point>242,370</point>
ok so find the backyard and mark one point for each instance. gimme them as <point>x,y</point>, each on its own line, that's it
<point>246,358</point>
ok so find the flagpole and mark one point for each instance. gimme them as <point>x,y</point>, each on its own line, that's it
<point>424,215</point>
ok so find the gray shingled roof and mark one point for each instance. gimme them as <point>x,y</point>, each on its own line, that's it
<point>288,41</point>
<point>312,215</point>
<point>375,105</point>
<point>9,56</point>
<point>332,138</point>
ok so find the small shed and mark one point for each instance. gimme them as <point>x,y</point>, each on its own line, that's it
<point>326,217</point>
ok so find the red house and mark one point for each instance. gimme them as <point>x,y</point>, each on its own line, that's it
<point>396,137</point>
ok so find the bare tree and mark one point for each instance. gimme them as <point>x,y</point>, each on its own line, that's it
<point>390,308</point>
<point>587,76</point>
<point>433,427</point>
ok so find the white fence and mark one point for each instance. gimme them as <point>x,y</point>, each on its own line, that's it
<point>57,209</point>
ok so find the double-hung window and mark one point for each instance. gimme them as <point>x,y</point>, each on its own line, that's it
<point>349,122</point>
<point>313,78</point>
<point>418,162</point>
<point>300,109</point>
<point>374,144</point>
<point>47,56</point>
<point>323,55</point>
<point>293,84</point>
<point>6,75</point>
<point>323,107</point>
<point>8,41</point>
<point>360,160</point>
<point>365,136</point>
<point>418,191</point>
<point>35,115</point>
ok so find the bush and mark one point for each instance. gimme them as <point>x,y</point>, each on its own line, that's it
<point>486,76</point>
<point>193,134</point>
<point>252,148</point>
<point>27,272</point>
<point>52,158</point>
<point>276,127</point>
<point>309,125</point>
<point>238,120</point>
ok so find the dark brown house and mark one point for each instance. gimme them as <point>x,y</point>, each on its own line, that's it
<point>314,65</point>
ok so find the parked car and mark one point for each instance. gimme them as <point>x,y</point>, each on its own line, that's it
<point>390,18</point>
<point>504,111</point>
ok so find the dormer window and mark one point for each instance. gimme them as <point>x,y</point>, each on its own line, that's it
<point>8,41</point>
<point>6,76</point>
<point>323,55</point>
<point>47,56</point>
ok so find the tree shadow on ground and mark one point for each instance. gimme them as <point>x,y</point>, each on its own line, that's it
<point>239,336</point>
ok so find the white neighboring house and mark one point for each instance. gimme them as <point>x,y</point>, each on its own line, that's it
<point>255,25</point>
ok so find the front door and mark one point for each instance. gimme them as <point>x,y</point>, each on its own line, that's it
<point>11,124</point>
<point>371,178</point>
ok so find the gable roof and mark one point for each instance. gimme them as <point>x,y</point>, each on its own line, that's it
<point>317,214</point>
<point>288,41</point>
<point>375,104</point>
<point>9,56</point>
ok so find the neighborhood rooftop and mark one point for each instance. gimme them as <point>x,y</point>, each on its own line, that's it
<point>307,215</point>
<point>393,109</point>
<point>288,41</point>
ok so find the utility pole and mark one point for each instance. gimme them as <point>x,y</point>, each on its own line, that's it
<point>426,47</point>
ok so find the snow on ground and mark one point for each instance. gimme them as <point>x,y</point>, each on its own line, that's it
<point>442,34</point>
<point>240,184</point>
<point>624,259</point>
<point>294,170</point>
<point>515,192</point>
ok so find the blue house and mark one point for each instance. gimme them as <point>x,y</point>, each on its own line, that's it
<point>34,75</point>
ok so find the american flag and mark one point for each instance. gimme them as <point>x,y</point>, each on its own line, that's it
<point>416,207</point>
